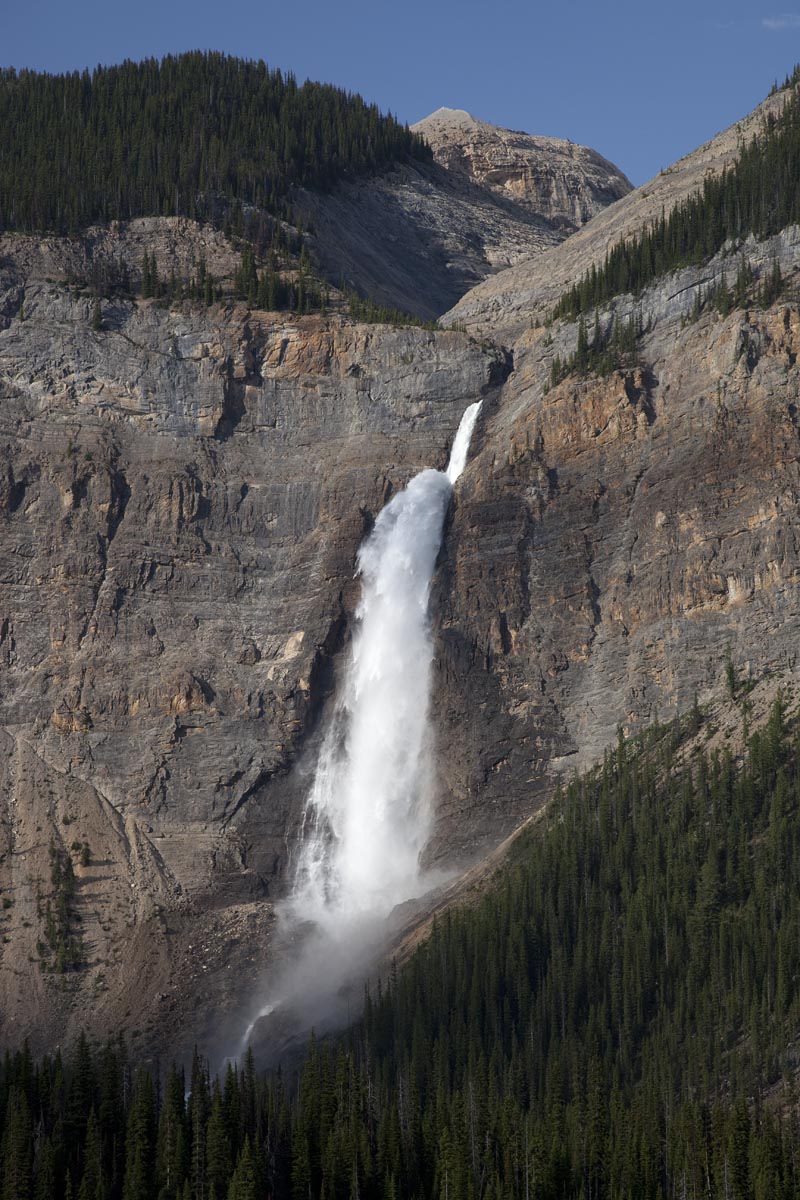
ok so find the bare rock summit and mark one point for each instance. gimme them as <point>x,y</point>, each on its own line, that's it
<point>565,183</point>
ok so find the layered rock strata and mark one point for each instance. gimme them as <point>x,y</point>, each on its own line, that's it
<point>556,179</point>
<point>182,495</point>
<point>618,539</point>
<point>181,498</point>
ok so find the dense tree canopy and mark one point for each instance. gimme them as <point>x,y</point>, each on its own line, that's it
<point>189,135</point>
<point>617,1018</point>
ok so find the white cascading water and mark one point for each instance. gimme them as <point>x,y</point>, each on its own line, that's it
<point>368,813</point>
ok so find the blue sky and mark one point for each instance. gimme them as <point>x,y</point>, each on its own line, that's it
<point>643,83</point>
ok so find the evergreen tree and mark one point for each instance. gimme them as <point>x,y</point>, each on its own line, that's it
<point>199,1108</point>
<point>244,1181</point>
<point>171,1146</point>
<point>218,1149</point>
<point>93,1185</point>
<point>140,1142</point>
<point>17,1147</point>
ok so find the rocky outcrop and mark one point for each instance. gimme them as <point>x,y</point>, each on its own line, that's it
<point>553,178</point>
<point>176,243</point>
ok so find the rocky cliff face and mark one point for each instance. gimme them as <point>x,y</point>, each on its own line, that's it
<point>182,495</point>
<point>419,237</point>
<point>564,183</point>
<point>614,541</point>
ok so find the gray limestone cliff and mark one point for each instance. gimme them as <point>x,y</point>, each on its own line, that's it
<point>182,496</point>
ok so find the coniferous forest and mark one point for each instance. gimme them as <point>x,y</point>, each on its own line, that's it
<point>759,194</point>
<point>616,1017</point>
<point>196,135</point>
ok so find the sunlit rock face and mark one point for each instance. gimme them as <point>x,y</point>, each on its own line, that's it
<point>562,182</point>
<point>183,495</point>
<point>615,539</point>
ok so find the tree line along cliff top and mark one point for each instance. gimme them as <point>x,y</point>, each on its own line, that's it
<point>191,135</point>
<point>758,195</point>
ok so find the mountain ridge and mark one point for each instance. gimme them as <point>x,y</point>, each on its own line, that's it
<point>527,290</point>
<point>416,235</point>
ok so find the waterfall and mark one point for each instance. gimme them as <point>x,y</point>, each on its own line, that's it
<point>368,813</point>
<point>369,809</point>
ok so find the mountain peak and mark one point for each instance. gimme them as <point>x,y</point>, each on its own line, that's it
<point>447,116</point>
<point>550,177</point>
